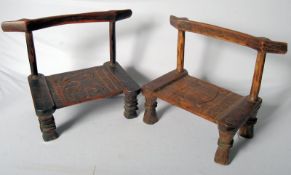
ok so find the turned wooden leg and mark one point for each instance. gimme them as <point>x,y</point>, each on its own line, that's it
<point>247,130</point>
<point>130,104</point>
<point>150,115</point>
<point>48,127</point>
<point>225,143</point>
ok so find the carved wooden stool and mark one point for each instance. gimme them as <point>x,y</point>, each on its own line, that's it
<point>60,90</point>
<point>230,111</point>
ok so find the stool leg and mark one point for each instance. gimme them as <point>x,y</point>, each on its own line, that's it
<point>150,115</point>
<point>48,127</point>
<point>130,104</point>
<point>247,130</point>
<point>225,143</point>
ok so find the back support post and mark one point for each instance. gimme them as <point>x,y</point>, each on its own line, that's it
<point>112,41</point>
<point>180,50</point>
<point>257,77</point>
<point>31,52</point>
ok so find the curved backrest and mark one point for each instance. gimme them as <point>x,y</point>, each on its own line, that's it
<point>29,25</point>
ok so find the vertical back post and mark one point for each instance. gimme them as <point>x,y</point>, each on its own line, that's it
<point>258,73</point>
<point>31,53</point>
<point>180,50</point>
<point>112,41</point>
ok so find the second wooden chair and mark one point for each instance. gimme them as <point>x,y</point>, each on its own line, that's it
<point>229,110</point>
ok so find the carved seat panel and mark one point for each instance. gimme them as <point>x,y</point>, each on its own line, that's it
<point>83,85</point>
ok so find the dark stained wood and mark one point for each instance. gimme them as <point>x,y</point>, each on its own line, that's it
<point>42,99</point>
<point>31,53</point>
<point>230,111</point>
<point>44,106</point>
<point>112,42</point>
<point>99,82</point>
<point>257,43</point>
<point>48,127</point>
<point>130,104</point>
<point>128,84</point>
<point>61,90</point>
<point>83,85</point>
<point>25,25</point>
<point>129,87</point>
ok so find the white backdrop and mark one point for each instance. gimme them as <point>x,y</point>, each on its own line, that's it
<point>95,138</point>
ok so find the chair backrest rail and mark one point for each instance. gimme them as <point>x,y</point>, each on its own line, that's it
<point>257,43</point>
<point>25,25</point>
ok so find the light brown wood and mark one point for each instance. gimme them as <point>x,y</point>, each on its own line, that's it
<point>230,111</point>
<point>235,116</point>
<point>180,51</point>
<point>258,74</point>
<point>257,43</point>
<point>163,81</point>
<point>199,97</point>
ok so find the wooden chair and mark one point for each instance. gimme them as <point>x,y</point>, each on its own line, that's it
<point>60,90</point>
<point>230,111</point>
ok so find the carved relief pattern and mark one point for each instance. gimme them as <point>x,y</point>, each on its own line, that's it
<point>78,86</point>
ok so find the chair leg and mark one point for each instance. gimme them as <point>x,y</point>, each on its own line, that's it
<point>150,115</point>
<point>130,104</point>
<point>48,127</point>
<point>247,130</point>
<point>225,143</point>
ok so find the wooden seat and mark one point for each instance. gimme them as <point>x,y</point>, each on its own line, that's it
<point>229,110</point>
<point>60,90</point>
<point>199,97</point>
